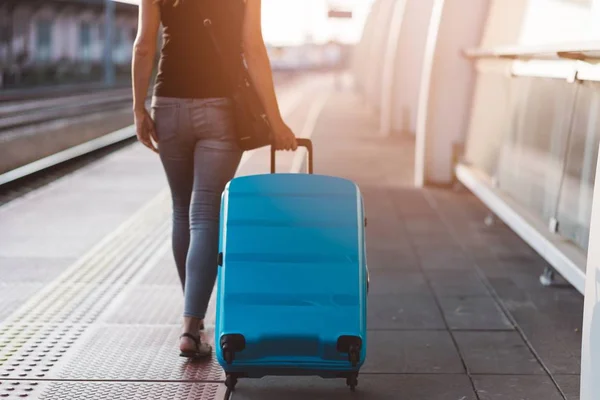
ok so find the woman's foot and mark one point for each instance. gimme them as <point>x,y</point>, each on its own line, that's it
<point>189,342</point>
<point>192,347</point>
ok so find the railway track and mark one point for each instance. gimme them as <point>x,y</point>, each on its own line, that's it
<point>53,92</point>
<point>12,189</point>
<point>19,118</point>
<point>20,114</point>
<point>38,117</point>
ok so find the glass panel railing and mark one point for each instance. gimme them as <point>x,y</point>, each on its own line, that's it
<point>488,124</point>
<point>536,134</point>
<point>530,164</point>
<point>575,204</point>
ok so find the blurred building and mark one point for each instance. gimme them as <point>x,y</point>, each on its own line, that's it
<point>310,56</point>
<point>60,40</point>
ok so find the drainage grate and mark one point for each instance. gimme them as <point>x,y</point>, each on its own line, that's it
<point>131,391</point>
<point>142,352</point>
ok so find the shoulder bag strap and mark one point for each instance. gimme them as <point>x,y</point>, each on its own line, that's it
<point>207,22</point>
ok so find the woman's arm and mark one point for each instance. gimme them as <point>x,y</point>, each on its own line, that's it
<point>144,50</point>
<point>259,68</point>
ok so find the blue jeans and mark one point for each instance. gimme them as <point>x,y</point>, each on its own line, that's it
<point>199,153</point>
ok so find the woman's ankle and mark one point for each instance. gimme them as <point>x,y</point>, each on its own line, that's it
<point>192,324</point>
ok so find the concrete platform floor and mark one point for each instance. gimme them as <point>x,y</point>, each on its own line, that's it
<point>455,308</point>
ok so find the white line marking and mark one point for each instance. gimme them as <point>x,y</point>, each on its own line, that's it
<point>68,154</point>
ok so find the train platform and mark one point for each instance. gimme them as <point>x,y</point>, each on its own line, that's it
<point>90,303</point>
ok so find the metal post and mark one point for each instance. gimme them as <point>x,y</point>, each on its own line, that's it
<point>109,22</point>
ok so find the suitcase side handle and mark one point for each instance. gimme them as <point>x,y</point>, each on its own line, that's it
<point>302,142</point>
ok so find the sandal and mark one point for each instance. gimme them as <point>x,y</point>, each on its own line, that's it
<point>202,349</point>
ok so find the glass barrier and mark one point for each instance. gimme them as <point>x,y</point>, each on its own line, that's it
<point>538,138</point>
<point>488,124</point>
<point>531,158</point>
<point>575,203</point>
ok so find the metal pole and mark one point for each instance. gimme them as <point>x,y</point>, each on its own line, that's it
<point>109,22</point>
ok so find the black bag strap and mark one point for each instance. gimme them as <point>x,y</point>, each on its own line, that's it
<point>243,91</point>
<point>207,22</point>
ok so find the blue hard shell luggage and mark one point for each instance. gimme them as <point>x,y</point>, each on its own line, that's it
<point>292,281</point>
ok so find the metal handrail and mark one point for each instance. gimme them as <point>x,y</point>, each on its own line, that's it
<point>583,51</point>
<point>573,62</point>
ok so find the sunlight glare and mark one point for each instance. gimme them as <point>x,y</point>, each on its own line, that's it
<point>293,22</point>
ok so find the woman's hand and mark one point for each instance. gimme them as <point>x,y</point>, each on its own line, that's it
<point>144,129</point>
<point>284,138</point>
<point>259,68</point>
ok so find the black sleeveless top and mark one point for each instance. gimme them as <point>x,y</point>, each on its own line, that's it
<point>189,66</point>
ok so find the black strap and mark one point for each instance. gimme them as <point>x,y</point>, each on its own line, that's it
<point>196,339</point>
<point>207,22</point>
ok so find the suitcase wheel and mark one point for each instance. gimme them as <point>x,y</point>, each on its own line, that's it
<point>231,344</point>
<point>354,356</point>
<point>352,381</point>
<point>352,346</point>
<point>231,381</point>
<point>228,356</point>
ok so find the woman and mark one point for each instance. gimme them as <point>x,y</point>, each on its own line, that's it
<point>192,124</point>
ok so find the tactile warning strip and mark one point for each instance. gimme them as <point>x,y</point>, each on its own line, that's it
<point>70,303</point>
<point>141,391</point>
<point>148,305</point>
<point>110,390</point>
<point>70,300</point>
<point>135,353</point>
<point>37,337</point>
<point>163,273</point>
<point>14,295</point>
<point>32,351</point>
<point>18,389</point>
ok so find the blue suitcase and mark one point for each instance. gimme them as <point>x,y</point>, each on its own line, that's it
<point>292,281</point>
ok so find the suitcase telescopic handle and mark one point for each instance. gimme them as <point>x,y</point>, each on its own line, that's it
<point>301,143</point>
